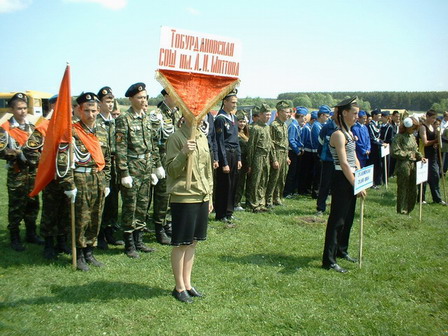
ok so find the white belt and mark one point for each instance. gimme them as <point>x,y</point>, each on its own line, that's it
<point>85,170</point>
<point>310,150</point>
<point>338,167</point>
<point>140,156</point>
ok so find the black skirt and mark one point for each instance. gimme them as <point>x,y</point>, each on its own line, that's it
<point>189,222</point>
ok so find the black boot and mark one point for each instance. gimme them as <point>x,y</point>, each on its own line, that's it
<point>81,261</point>
<point>129,246</point>
<point>16,243</point>
<point>61,245</point>
<point>110,239</point>
<point>31,235</point>
<point>161,236</point>
<point>168,230</point>
<point>90,258</point>
<point>49,251</point>
<point>102,243</point>
<point>139,244</point>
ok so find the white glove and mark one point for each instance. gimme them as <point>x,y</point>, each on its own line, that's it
<point>154,179</point>
<point>160,172</point>
<point>126,181</point>
<point>71,194</point>
<point>106,192</point>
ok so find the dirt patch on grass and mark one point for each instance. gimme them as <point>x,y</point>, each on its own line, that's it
<point>311,220</point>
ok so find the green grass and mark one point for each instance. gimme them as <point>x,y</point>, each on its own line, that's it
<point>262,278</point>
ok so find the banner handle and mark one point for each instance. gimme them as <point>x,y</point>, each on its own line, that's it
<point>194,124</point>
<point>361,229</point>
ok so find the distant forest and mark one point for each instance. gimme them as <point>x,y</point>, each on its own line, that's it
<point>412,101</point>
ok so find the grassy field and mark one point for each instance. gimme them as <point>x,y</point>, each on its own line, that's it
<point>261,278</point>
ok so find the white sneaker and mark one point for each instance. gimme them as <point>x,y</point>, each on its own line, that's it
<point>238,208</point>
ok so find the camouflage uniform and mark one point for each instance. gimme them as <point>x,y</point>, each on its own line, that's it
<point>136,156</point>
<point>20,182</point>
<point>110,215</point>
<point>259,157</point>
<point>89,182</point>
<point>163,123</point>
<point>405,151</point>
<point>277,177</point>
<point>242,178</point>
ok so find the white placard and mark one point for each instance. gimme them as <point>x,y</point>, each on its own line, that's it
<point>363,179</point>
<point>187,51</point>
<point>385,150</point>
<point>422,172</point>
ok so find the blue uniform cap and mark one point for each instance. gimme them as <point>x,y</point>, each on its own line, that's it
<point>362,113</point>
<point>314,115</point>
<point>301,110</point>
<point>325,109</point>
<point>53,99</point>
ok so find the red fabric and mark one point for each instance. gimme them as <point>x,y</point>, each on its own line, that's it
<point>59,131</point>
<point>19,135</point>
<point>197,90</point>
<point>92,144</point>
<point>43,126</point>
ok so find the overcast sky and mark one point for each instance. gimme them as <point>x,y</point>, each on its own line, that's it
<point>290,45</point>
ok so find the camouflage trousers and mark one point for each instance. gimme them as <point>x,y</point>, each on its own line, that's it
<point>136,200</point>
<point>406,188</point>
<point>160,203</point>
<point>88,207</point>
<point>55,217</point>
<point>277,178</point>
<point>241,186</point>
<point>20,205</point>
<point>110,213</point>
<point>257,181</point>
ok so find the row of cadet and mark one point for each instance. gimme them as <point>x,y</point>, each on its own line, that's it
<point>125,153</point>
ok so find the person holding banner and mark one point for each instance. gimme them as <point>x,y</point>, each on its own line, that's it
<point>189,206</point>
<point>87,185</point>
<point>429,137</point>
<point>343,201</point>
<point>14,134</point>
<point>405,151</point>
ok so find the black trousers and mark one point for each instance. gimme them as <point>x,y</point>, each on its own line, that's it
<point>340,221</point>
<point>291,177</point>
<point>325,183</point>
<point>226,187</point>
<point>306,173</point>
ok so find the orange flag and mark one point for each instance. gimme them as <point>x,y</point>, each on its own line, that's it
<point>195,92</point>
<point>59,131</point>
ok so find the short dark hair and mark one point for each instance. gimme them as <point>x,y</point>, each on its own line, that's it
<point>431,113</point>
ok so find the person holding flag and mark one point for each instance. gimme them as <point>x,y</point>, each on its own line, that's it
<point>87,184</point>
<point>14,134</point>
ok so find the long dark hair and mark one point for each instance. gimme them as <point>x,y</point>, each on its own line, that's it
<point>340,118</point>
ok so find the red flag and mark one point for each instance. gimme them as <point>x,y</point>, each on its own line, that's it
<point>195,92</point>
<point>59,131</point>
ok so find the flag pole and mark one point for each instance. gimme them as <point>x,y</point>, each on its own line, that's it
<point>72,218</point>
<point>361,229</point>
<point>441,166</point>
<point>194,124</point>
<point>421,201</point>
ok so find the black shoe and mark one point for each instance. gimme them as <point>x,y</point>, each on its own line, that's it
<point>139,244</point>
<point>336,268</point>
<point>90,258</point>
<point>349,258</point>
<point>182,296</point>
<point>193,292</point>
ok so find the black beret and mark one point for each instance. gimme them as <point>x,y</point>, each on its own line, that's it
<point>163,92</point>
<point>134,89</point>
<point>87,97</point>
<point>385,113</point>
<point>18,96</point>
<point>376,111</point>
<point>104,91</point>
<point>53,99</point>
<point>349,101</point>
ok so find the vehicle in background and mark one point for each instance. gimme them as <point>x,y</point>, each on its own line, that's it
<point>37,102</point>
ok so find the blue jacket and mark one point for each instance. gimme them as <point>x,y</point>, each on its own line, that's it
<point>294,137</point>
<point>324,140</point>
<point>306,137</point>
<point>363,142</point>
<point>315,130</point>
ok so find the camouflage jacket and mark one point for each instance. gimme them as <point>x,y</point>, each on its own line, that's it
<point>279,136</point>
<point>109,126</point>
<point>163,123</point>
<point>259,142</point>
<point>134,139</point>
<point>81,156</point>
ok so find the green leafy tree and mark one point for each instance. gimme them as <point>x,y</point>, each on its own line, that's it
<point>302,100</point>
